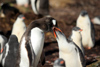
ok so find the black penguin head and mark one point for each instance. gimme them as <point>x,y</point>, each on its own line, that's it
<point>51,22</point>
<point>59,63</point>
<point>21,16</point>
<point>76,29</point>
<point>13,38</point>
<point>84,13</point>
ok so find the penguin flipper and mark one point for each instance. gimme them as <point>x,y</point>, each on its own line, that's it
<point>42,58</point>
<point>93,33</point>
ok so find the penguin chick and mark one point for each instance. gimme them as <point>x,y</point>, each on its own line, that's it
<point>88,33</point>
<point>10,52</point>
<point>68,50</point>
<point>59,63</point>
<point>76,37</point>
<point>19,27</point>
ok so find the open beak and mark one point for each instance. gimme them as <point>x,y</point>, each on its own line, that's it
<point>23,17</point>
<point>54,31</point>
<point>80,30</point>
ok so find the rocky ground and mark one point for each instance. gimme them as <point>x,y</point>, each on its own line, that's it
<point>66,13</point>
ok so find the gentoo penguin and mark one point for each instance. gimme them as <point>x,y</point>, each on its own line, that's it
<point>19,27</point>
<point>96,20</point>
<point>76,37</point>
<point>7,10</point>
<point>22,2</point>
<point>59,63</point>
<point>68,50</point>
<point>88,34</point>
<point>10,52</point>
<point>3,41</point>
<point>40,7</point>
<point>32,42</point>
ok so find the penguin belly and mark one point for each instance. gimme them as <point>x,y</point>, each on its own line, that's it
<point>37,39</point>
<point>71,59</point>
<point>18,30</point>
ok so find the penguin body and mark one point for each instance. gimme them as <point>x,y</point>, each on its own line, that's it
<point>59,63</point>
<point>88,34</point>
<point>22,2</point>
<point>32,42</point>
<point>3,41</point>
<point>19,27</point>
<point>10,53</point>
<point>40,7</point>
<point>96,20</point>
<point>7,10</point>
<point>76,37</point>
<point>68,50</point>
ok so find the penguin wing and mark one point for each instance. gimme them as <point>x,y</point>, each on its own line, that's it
<point>82,58</point>
<point>42,59</point>
<point>93,33</point>
<point>31,53</point>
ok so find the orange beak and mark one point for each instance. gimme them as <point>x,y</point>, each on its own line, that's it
<point>54,31</point>
<point>1,50</point>
<point>61,62</point>
<point>80,30</point>
<point>23,17</point>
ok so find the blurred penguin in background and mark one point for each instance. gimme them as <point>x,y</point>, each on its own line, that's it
<point>88,33</point>
<point>10,53</point>
<point>40,7</point>
<point>96,20</point>
<point>59,63</point>
<point>7,10</point>
<point>3,41</point>
<point>22,2</point>
<point>19,27</point>
<point>76,37</point>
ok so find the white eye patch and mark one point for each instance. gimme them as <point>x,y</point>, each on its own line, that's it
<point>54,22</point>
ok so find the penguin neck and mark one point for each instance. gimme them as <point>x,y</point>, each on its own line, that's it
<point>63,43</point>
<point>76,37</point>
<point>19,20</point>
<point>84,19</point>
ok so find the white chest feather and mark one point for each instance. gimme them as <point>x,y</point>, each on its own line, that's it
<point>37,39</point>
<point>21,2</point>
<point>19,28</point>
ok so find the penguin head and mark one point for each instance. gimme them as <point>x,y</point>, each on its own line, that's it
<point>76,29</point>
<point>59,63</point>
<point>83,17</point>
<point>76,33</point>
<point>51,22</point>
<point>21,17</point>
<point>84,13</point>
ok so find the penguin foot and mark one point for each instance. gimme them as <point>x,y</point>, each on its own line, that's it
<point>26,5</point>
<point>88,48</point>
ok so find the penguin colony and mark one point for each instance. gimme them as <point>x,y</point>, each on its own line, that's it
<point>25,45</point>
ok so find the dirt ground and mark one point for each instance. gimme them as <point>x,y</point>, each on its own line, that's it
<point>66,13</point>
